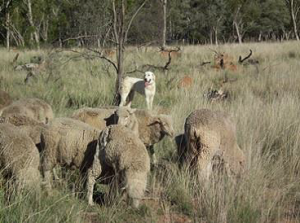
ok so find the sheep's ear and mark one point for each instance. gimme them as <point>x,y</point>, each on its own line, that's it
<point>157,120</point>
<point>132,110</point>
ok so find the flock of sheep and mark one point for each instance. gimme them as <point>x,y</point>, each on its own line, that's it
<point>111,144</point>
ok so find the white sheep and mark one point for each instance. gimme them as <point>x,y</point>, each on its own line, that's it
<point>121,153</point>
<point>29,126</point>
<point>31,107</point>
<point>67,142</point>
<point>153,128</point>
<point>19,157</point>
<point>210,136</point>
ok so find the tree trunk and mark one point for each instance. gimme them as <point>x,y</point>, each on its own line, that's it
<point>45,28</point>
<point>164,31</point>
<point>293,9</point>
<point>7,31</point>
<point>211,37</point>
<point>238,32</point>
<point>236,24</point>
<point>216,35</point>
<point>30,19</point>
<point>294,21</point>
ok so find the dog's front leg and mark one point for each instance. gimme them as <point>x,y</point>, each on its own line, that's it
<point>149,101</point>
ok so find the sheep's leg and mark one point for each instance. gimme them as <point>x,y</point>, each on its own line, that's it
<point>93,173</point>
<point>153,156</point>
<point>90,188</point>
<point>55,174</point>
<point>47,179</point>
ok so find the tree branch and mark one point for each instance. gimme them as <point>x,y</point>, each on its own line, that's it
<point>133,17</point>
<point>100,55</point>
<point>115,20</point>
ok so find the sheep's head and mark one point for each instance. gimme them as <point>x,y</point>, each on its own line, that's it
<point>125,116</point>
<point>166,124</point>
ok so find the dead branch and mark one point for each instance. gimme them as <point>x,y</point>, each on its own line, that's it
<point>99,54</point>
<point>216,52</point>
<point>80,37</point>
<point>15,59</point>
<point>247,57</point>
<point>146,67</point>
<point>205,62</point>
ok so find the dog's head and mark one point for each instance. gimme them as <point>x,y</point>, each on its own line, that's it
<point>149,78</point>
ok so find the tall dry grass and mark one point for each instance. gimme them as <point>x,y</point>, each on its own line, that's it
<point>264,102</point>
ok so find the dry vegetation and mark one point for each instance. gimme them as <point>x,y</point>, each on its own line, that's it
<point>264,101</point>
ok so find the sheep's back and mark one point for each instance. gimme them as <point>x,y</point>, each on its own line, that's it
<point>74,136</point>
<point>17,150</point>
<point>126,148</point>
<point>93,116</point>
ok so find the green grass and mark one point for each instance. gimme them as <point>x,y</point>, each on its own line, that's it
<point>265,104</point>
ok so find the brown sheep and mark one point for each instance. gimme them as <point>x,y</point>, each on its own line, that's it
<point>95,117</point>
<point>31,107</point>
<point>102,117</point>
<point>209,136</point>
<point>121,153</point>
<point>19,157</point>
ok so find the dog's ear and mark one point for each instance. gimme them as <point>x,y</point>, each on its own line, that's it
<point>153,76</point>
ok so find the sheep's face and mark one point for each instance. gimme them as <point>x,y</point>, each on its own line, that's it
<point>166,125</point>
<point>125,116</point>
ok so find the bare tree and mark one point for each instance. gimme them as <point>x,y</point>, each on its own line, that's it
<point>164,31</point>
<point>5,7</point>
<point>35,32</point>
<point>122,22</point>
<point>236,23</point>
<point>294,7</point>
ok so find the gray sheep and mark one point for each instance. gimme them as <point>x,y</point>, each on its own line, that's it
<point>209,142</point>
<point>19,157</point>
<point>31,107</point>
<point>121,153</point>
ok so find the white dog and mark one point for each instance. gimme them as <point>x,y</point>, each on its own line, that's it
<point>145,87</point>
